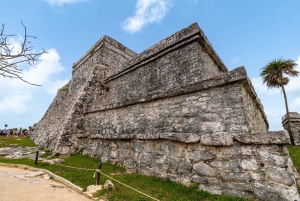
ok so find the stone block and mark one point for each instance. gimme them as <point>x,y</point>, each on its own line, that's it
<point>271,159</point>
<point>130,164</point>
<point>275,192</point>
<point>215,189</point>
<point>249,164</point>
<point>280,176</point>
<point>212,127</point>
<point>237,186</point>
<point>271,137</point>
<point>205,180</point>
<point>180,137</point>
<point>226,166</point>
<point>234,177</point>
<point>238,193</point>
<point>203,169</point>
<point>217,139</point>
<point>201,155</point>
<point>184,167</point>
<point>175,150</point>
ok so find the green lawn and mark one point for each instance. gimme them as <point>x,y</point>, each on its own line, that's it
<point>18,141</point>
<point>159,188</point>
<point>294,152</point>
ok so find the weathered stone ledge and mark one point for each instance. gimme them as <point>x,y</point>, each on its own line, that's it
<point>215,139</point>
<point>179,137</point>
<point>271,137</point>
<point>238,74</point>
<point>294,116</point>
<point>98,45</point>
<point>183,37</point>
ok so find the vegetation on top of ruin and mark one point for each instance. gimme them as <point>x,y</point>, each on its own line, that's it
<point>65,88</point>
<point>92,51</point>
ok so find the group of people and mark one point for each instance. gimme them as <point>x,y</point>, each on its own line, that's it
<point>14,132</point>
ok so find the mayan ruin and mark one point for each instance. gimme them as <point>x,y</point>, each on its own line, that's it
<point>173,111</point>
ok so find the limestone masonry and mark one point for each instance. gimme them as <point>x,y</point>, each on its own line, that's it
<point>295,126</point>
<point>172,111</point>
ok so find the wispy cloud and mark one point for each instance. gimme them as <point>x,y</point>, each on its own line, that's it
<point>17,95</point>
<point>292,86</point>
<point>295,106</point>
<point>61,2</point>
<point>147,12</point>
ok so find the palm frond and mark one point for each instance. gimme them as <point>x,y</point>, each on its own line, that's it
<point>273,74</point>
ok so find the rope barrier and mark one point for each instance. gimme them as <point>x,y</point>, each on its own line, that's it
<point>99,171</point>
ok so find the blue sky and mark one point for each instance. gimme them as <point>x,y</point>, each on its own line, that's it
<point>243,33</point>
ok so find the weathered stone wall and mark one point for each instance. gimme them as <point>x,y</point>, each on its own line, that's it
<point>219,109</point>
<point>241,165</point>
<point>172,111</point>
<point>59,115</point>
<point>295,126</point>
<point>257,121</point>
<point>64,117</point>
<point>178,68</point>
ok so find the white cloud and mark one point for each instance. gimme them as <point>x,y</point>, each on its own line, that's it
<point>40,73</point>
<point>52,87</point>
<point>262,88</point>
<point>15,44</point>
<point>274,117</point>
<point>61,2</point>
<point>17,95</point>
<point>295,106</point>
<point>147,12</point>
<point>292,86</point>
<point>15,104</point>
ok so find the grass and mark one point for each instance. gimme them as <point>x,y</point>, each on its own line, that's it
<point>19,141</point>
<point>294,152</point>
<point>65,88</point>
<point>162,189</point>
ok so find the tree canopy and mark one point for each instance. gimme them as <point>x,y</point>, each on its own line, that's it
<point>275,75</point>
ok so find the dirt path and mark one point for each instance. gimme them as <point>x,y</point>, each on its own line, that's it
<point>25,185</point>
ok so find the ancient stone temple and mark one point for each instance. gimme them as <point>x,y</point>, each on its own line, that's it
<point>173,111</point>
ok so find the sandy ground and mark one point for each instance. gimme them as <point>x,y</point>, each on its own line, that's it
<point>16,184</point>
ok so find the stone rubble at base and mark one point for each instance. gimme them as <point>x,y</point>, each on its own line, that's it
<point>172,111</point>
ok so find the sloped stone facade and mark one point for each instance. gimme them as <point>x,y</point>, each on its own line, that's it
<point>172,111</point>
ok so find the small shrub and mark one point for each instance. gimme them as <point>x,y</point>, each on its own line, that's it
<point>92,51</point>
<point>64,88</point>
<point>250,131</point>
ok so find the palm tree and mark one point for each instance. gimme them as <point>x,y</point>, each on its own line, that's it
<point>275,74</point>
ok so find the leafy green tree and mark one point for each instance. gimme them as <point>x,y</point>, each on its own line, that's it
<point>275,75</point>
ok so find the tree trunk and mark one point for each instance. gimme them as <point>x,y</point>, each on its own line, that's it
<point>287,115</point>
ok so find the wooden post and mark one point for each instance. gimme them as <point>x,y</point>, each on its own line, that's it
<point>98,174</point>
<point>36,157</point>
